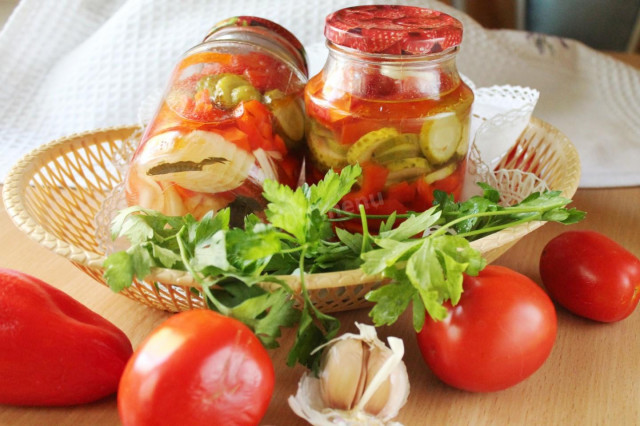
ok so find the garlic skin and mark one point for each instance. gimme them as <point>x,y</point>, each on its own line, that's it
<point>362,381</point>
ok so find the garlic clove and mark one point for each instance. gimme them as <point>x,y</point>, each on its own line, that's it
<point>341,377</point>
<point>399,379</point>
<point>365,377</point>
<point>377,357</point>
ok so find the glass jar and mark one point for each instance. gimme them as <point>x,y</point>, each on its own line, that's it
<point>231,117</point>
<point>390,98</point>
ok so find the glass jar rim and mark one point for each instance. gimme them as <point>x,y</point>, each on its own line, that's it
<point>299,73</point>
<point>390,59</point>
<point>264,27</point>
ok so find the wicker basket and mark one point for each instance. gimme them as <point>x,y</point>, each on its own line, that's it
<point>54,193</point>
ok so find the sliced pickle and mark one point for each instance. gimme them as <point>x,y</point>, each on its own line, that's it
<point>410,163</point>
<point>244,94</point>
<point>225,85</point>
<point>406,146</point>
<point>362,150</point>
<point>463,147</point>
<point>208,82</point>
<point>440,173</point>
<point>410,138</point>
<point>326,152</point>
<point>440,136</point>
<point>272,95</point>
<point>396,153</point>
<point>289,119</point>
<point>407,169</point>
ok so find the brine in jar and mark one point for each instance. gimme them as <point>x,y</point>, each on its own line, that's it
<point>390,99</point>
<point>231,117</point>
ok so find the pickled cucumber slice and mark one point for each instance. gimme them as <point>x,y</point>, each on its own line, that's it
<point>224,88</point>
<point>407,146</point>
<point>208,82</point>
<point>410,138</point>
<point>289,119</point>
<point>440,173</point>
<point>463,147</point>
<point>410,163</point>
<point>272,95</point>
<point>440,136</point>
<point>362,150</point>
<point>244,94</point>
<point>396,153</point>
<point>325,151</point>
<point>407,169</point>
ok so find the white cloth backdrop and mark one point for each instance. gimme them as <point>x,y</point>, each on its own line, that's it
<point>75,65</point>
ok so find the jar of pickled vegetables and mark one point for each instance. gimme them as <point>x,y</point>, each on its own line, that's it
<point>231,117</point>
<point>390,99</point>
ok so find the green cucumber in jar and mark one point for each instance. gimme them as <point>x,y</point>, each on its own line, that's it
<point>440,137</point>
<point>326,152</point>
<point>362,150</point>
<point>440,174</point>
<point>288,115</point>
<point>406,146</point>
<point>407,169</point>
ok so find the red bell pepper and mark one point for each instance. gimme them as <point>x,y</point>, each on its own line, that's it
<point>254,119</point>
<point>403,192</point>
<point>54,350</point>
<point>424,199</point>
<point>374,177</point>
<point>234,135</point>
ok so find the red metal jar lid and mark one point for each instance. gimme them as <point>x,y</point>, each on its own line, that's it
<point>395,30</point>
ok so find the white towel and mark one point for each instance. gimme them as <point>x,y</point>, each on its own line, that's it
<point>77,65</point>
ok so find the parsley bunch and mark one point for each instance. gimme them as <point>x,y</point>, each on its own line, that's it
<point>424,256</point>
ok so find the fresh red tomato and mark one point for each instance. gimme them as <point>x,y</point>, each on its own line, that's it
<point>197,368</point>
<point>501,331</point>
<point>591,275</point>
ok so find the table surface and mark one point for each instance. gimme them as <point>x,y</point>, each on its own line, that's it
<point>592,376</point>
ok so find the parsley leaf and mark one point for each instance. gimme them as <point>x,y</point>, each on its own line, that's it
<point>288,209</point>
<point>414,225</point>
<point>118,271</point>
<point>391,301</point>
<point>330,190</point>
<point>420,257</point>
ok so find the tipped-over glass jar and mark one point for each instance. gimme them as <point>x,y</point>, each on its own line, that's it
<point>390,98</point>
<point>231,117</point>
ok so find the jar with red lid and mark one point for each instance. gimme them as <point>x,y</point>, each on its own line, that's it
<point>231,117</point>
<point>390,98</point>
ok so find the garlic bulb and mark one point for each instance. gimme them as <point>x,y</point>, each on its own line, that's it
<point>362,381</point>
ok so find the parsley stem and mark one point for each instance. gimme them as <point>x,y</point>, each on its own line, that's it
<point>290,250</point>
<point>496,228</point>
<point>365,228</point>
<point>303,285</point>
<point>350,215</point>
<point>183,256</point>
<point>196,276</point>
<point>446,226</point>
<point>285,236</point>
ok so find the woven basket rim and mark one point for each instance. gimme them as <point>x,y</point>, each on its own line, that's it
<point>18,178</point>
<point>21,172</point>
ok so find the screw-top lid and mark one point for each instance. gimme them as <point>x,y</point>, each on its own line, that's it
<point>292,44</point>
<point>396,30</point>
